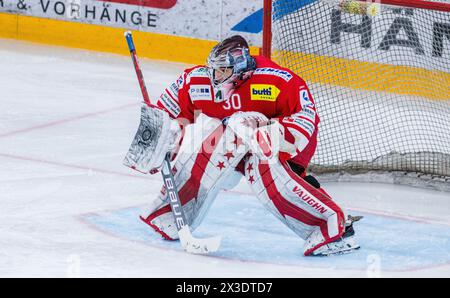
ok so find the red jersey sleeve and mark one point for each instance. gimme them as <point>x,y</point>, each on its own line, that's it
<point>176,101</point>
<point>298,114</point>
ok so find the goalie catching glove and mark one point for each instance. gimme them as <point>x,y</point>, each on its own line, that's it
<point>263,136</point>
<point>157,135</point>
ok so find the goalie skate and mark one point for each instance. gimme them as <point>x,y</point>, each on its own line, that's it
<point>345,244</point>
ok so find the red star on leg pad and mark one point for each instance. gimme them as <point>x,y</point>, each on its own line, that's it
<point>251,179</point>
<point>229,155</point>
<point>250,167</point>
<point>221,165</point>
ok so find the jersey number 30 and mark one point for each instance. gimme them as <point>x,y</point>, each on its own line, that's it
<point>233,103</point>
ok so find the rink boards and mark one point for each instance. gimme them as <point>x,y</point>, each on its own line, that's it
<point>185,31</point>
<point>103,39</point>
<point>172,30</point>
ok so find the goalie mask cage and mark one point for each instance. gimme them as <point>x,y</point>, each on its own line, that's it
<point>380,75</point>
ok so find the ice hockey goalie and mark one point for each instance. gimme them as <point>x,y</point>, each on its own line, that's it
<point>250,119</point>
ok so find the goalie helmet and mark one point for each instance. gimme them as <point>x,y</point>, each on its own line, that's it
<point>229,64</point>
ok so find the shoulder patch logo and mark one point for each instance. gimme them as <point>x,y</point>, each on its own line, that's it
<point>199,72</point>
<point>200,92</point>
<point>305,100</point>
<point>180,82</point>
<point>264,92</point>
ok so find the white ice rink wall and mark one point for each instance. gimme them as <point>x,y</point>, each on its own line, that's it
<point>174,30</point>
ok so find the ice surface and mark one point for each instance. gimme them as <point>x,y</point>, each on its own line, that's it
<point>69,208</point>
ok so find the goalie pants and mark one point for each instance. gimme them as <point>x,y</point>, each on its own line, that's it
<point>304,208</point>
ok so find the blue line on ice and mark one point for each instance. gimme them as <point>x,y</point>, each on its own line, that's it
<point>250,233</point>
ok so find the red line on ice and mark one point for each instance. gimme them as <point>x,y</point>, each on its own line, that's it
<point>64,121</point>
<point>72,166</point>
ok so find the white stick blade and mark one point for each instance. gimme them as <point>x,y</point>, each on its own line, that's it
<point>198,246</point>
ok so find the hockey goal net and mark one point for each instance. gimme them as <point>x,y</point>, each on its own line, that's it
<point>380,75</point>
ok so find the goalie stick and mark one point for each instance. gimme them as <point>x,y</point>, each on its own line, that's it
<point>188,242</point>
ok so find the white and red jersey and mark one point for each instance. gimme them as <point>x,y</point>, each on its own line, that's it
<point>276,92</point>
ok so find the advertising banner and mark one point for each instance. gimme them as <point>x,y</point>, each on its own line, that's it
<point>208,20</point>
